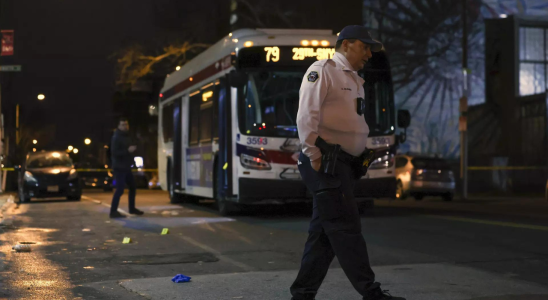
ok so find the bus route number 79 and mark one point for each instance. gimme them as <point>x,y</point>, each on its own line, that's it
<point>257,141</point>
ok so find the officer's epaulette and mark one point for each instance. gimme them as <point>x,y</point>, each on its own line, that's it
<point>321,63</point>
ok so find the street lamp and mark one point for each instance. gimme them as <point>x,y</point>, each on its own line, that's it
<point>41,97</point>
<point>35,142</point>
<point>70,148</point>
<point>87,141</point>
<point>75,150</point>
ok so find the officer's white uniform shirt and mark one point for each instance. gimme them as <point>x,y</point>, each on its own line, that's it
<point>328,107</point>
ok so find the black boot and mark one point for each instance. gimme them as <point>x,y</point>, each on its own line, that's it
<point>378,294</point>
<point>135,211</point>
<point>116,215</point>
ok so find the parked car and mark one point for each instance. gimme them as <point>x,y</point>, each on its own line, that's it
<point>96,175</point>
<point>48,174</point>
<point>419,176</point>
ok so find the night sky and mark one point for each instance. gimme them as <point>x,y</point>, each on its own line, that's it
<point>64,47</point>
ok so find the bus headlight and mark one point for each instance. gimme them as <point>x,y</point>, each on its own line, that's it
<point>255,163</point>
<point>383,162</point>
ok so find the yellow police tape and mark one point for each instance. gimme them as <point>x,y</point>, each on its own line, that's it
<point>505,168</point>
<point>472,168</point>
<point>96,170</point>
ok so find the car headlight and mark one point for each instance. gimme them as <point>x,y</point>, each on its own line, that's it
<point>29,177</point>
<point>383,162</point>
<point>72,175</point>
<point>255,163</point>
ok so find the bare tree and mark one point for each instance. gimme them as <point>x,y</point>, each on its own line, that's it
<point>262,12</point>
<point>133,63</point>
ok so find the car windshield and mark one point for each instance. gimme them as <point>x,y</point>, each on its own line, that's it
<point>49,160</point>
<point>430,163</point>
<point>268,103</point>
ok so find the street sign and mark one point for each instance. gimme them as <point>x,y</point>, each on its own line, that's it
<point>7,42</point>
<point>12,68</point>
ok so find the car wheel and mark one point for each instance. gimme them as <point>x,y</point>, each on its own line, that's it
<point>448,196</point>
<point>419,197</point>
<point>24,199</point>
<point>400,193</point>
<point>74,198</point>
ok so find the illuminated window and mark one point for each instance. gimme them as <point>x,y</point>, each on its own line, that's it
<point>533,55</point>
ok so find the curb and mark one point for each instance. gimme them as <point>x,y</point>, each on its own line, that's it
<point>3,208</point>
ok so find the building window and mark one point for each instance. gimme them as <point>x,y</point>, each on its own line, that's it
<point>533,57</point>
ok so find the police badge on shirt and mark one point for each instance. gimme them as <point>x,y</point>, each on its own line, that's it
<point>313,76</point>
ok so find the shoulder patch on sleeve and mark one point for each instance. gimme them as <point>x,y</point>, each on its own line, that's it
<point>313,76</point>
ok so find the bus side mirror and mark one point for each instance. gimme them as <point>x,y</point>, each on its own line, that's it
<point>404,120</point>
<point>237,78</point>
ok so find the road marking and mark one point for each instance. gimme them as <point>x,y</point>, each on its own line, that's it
<point>104,204</point>
<point>496,223</point>
<point>217,253</point>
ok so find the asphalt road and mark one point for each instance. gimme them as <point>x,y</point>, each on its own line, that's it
<point>79,252</point>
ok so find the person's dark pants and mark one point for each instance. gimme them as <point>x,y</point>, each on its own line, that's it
<point>335,230</point>
<point>122,178</point>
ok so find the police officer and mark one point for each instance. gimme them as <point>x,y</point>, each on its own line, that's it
<point>331,112</point>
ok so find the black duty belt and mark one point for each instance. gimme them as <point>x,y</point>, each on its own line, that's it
<point>333,153</point>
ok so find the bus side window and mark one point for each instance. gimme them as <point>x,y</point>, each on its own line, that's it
<point>215,123</point>
<point>206,113</point>
<point>194,118</point>
<point>167,122</point>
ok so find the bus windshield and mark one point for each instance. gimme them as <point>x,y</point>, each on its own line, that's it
<point>268,103</point>
<point>379,95</point>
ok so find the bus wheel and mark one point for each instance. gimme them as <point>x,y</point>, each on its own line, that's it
<point>173,196</point>
<point>225,208</point>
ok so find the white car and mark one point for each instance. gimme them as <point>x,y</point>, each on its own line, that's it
<point>419,176</point>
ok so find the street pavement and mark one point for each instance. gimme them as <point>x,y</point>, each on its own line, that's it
<point>478,249</point>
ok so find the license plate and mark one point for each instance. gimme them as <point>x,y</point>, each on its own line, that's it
<point>53,188</point>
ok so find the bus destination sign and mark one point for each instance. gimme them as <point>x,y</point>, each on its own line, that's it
<point>282,56</point>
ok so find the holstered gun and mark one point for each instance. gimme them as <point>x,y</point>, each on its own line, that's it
<point>329,155</point>
<point>366,158</point>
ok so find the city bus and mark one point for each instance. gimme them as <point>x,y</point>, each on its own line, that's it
<point>227,120</point>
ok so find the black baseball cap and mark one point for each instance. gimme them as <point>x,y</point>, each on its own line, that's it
<point>360,33</point>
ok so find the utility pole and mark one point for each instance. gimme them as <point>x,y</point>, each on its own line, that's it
<point>463,104</point>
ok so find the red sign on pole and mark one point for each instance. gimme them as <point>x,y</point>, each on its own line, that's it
<point>7,42</point>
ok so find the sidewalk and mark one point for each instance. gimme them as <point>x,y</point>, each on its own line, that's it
<point>415,282</point>
<point>518,206</point>
<point>6,201</point>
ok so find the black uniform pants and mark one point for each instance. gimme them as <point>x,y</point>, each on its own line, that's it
<point>335,230</point>
<point>122,178</point>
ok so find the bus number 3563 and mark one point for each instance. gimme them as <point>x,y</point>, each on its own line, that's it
<point>257,141</point>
